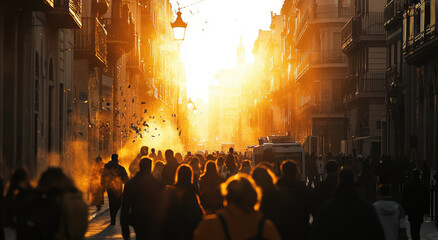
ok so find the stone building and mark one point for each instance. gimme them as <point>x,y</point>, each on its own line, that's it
<point>364,42</point>
<point>36,80</point>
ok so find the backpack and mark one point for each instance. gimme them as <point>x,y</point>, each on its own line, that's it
<point>39,216</point>
<point>258,236</point>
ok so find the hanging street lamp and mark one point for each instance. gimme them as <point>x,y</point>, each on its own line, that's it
<point>179,27</point>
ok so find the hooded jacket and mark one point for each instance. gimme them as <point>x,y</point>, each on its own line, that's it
<point>392,217</point>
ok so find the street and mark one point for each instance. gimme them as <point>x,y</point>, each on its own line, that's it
<point>100,228</point>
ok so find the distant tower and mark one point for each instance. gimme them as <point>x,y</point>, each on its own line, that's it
<point>241,53</point>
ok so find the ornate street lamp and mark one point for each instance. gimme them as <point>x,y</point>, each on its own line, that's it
<point>195,110</point>
<point>179,27</point>
<point>190,104</point>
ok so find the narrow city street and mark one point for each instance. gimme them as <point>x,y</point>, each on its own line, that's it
<point>100,228</point>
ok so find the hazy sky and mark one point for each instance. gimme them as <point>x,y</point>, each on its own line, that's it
<point>213,34</point>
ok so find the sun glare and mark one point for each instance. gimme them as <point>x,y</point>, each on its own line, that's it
<point>214,30</point>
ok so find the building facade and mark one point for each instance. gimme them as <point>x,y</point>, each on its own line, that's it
<point>364,42</point>
<point>36,79</point>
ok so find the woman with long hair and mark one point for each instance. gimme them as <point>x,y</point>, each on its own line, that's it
<point>210,193</point>
<point>184,212</point>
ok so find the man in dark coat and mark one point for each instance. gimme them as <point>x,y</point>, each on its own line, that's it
<point>415,203</point>
<point>346,216</point>
<point>142,204</point>
<point>113,178</point>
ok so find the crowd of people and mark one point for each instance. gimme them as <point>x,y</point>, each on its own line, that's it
<point>222,196</point>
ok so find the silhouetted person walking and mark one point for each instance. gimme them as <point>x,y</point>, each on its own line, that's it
<point>142,204</point>
<point>346,216</point>
<point>299,200</point>
<point>240,218</point>
<point>184,212</point>
<point>325,189</point>
<point>19,187</point>
<point>210,181</point>
<point>414,202</point>
<point>113,178</point>
<point>170,168</point>
<point>95,186</point>
<point>274,204</point>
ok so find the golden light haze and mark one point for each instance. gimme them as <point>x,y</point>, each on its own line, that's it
<point>213,34</point>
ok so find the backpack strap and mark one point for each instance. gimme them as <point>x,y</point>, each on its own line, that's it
<point>260,228</point>
<point>224,226</point>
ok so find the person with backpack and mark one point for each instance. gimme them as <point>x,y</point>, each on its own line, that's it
<point>113,178</point>
<point>240,219</point>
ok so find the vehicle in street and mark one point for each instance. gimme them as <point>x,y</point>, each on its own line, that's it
<point>283,148</point>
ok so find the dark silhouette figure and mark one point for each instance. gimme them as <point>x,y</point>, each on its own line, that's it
<point>133,167</point>
<point>391,215</point>
<point>55,210</point>
<point>184,212</point>
<point>113,178</point>
<point>366,183</point>
<point>299,199</point>
<point>142,204</point>
<point>415,203</point>
<point>95,186</point>
<point>239,219</point>
<point>325,189</point>
<point>152,155</point>
<point>18,189</point>
<point>231,165</point>
<point>170,168</point>
<point>210,193</point>
<point>346,216</point>
<point>194,163</point>
<point>274,204</point>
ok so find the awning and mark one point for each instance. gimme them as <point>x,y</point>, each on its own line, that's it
<point>366,138</point>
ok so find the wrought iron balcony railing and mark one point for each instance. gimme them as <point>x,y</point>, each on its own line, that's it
<point>363,83</point>
<point>67,13</point>
<point>91,41</point>
<point>135,61</point>
<point>369,24</point>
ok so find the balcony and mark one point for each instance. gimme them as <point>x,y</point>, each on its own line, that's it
<point>320,14</point>
<point>91,41</point>
<point>302,30</point>
<point>321,107</point>
<point>135,61</point>
<point>121,32</point>
<point>365,85</point>
<point>333,56</point>
<point>319,59</point>
<point>363,28</point>
<point>330,12</point>
<point>393,14</point>
<point>67,13</point>
<point>35,5</point>
<point>420,31</point>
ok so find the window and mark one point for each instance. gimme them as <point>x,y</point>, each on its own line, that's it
<point>378,125</point>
